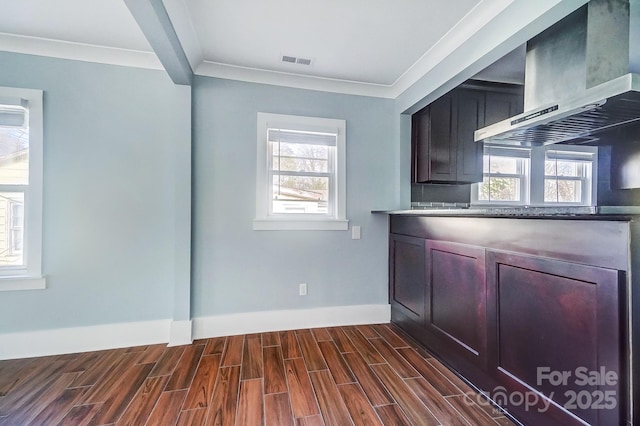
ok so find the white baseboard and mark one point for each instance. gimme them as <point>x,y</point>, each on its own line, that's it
<point>180,333</point>
<point>111,336</point>
<point>82,339</point>
<point>265,321</point>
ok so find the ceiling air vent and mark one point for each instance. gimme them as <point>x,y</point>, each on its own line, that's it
<point>295,60</point>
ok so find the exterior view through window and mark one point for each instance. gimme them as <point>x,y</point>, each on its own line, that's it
<point>505,179</point>
<point>300,173</point>
<point>537,176</point>
<point>302,169</point>
<point>14,180</point>
<point>567,178</point>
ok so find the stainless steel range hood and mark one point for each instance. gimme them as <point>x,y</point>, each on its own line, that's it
<point>576,120</point>
<point>582,79</point>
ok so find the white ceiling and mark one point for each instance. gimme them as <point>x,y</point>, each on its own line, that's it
<point>371,43</point>
<point>94,22</point>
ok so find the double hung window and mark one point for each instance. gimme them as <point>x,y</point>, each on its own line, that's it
<point>537,176</point>
<point>506,176</point>
<point>568,177</point>
<point>20,189</point>
<point>300,173</point>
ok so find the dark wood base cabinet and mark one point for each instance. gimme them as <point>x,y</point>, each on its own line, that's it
<point>456,306</point>
<point>533,312</point>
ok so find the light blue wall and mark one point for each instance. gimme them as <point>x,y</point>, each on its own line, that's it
<point>236,269</point>
<point>115,174</point>
<point>111,135</point>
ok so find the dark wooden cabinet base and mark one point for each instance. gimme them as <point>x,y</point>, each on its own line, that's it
<point>549,316</point>
<point>456,309</point>
<point>540,323</point>
<point>406,273</point>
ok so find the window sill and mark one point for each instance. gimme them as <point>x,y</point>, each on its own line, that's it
<point>300,225</point>
<point>22,283</point>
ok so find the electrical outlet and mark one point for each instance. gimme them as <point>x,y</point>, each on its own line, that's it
<point>303,289</point>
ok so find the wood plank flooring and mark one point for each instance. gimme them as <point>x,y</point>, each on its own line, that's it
<point>359,375</point>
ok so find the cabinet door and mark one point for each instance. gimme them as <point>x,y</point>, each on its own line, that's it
<point>433,145</point>
<point>556,316</point>
<point>456,303</point>
<point>442,141</point>
<point>407,287</point>
<point>443,149</point>
<point>470,117</point>
<point>420,134</point>
<point>500,106</point>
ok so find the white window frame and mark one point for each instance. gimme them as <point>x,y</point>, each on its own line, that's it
<point>264,220</point>
<point>583,154</point>
<point>536,177</point>
<point>524,176</point>
<point>29,276</point>
<point>11,227</point>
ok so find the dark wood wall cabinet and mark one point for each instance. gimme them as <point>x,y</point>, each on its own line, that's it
<point>535,312</point>
<point>443,150</point>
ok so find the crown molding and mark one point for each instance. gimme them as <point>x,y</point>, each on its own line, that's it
<point>298,81</point>
<point>459,34</point>
<point>517,22</point>
<point>490,30</point>
<point>79,51</point>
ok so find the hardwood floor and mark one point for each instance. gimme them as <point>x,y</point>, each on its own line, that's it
<point>359,375</point>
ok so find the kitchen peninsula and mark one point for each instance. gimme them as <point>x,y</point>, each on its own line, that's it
<point>525,302</point>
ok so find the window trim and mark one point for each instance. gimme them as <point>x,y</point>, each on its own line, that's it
<point>585,155</point>
<point>525,178</point>
<point>264,221</point>
<point>30,276</point>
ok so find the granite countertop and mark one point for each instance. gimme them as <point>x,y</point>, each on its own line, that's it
<point>558,212</point>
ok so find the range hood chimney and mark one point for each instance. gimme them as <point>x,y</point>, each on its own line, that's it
<point>582,78</point>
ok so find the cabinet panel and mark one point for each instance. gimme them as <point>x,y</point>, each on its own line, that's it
<point>420,130</point>
<point>442,149</point>
<point>505,297</point>
<point>407,286</point>
<point>559,316</point>
<point>500,106</point>
<point>456,301</point>
<point>470,110</point>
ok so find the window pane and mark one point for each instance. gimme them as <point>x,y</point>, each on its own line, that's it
<point>499,189</point>
<point>504,165</point>
<point>11,228</point>
<point>14,156</point>
<point>562,191</point>
<point>300,157</point>
<point>563,168</point>
<point>300,194</point>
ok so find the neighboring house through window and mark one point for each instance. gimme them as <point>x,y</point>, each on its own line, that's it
<point>20,189</point>
<point>300,173</point>
<point>16,226</point>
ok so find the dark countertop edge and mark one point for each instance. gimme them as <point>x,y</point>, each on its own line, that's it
<point>478,213</point>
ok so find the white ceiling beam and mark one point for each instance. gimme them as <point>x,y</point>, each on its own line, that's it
<point>181,19</point>
<point>153,20</point>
